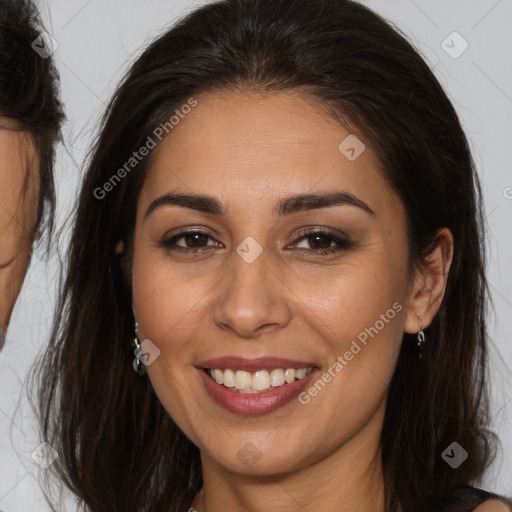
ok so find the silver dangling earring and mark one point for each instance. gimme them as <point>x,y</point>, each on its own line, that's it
<point>139,368</point>
<point>421,339</point>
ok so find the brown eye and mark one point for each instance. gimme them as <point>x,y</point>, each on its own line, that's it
<point>194,241</point>
<point>321,242</point>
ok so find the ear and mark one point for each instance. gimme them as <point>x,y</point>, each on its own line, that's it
<point>429,283</point>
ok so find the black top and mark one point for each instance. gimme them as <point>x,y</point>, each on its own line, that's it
<point>467,498</point>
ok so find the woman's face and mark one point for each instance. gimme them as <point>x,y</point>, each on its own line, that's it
<point>18,208</point>
<point>251,287</point>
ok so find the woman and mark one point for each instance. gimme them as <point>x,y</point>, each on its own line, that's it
<point>282,213</point>
<point>30,118</point>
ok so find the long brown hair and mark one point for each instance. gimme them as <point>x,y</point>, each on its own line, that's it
<point>118,448</point>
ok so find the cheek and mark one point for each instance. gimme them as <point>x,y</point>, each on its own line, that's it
<point>359,314</point>
<point>166,310</point>
<point>348,301</point>
<point>170,305</point>
<point>359,317</point>
<point>166,306</point>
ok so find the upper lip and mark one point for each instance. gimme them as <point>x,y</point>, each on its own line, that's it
<point>252,365</point>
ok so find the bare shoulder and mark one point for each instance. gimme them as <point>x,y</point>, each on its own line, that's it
<point>492,506</point>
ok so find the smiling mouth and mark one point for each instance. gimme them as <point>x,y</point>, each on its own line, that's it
<point>259,381</point>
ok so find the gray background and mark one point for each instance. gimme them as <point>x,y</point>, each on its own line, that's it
<point>99,38</point>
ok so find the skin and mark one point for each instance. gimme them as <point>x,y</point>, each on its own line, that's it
<point>18,209</point>
<point>492,506</point>
<point>249,151</point>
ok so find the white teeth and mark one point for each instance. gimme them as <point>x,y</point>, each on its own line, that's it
<point>218,376</point>
<point>289,375</point>
<point>259,381</point>
<point>277,377</point>
<point>243,380</point>
<point>229,378</point>
<point>301,372</point>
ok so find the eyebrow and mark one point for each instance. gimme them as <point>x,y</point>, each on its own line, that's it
<point>286,206</point>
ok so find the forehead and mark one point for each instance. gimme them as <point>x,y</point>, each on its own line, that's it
<point>247,145</point>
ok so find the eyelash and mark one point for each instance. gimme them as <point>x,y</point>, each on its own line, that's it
<point>343,243</point>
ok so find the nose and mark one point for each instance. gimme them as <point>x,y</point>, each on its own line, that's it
<point>252,299</point>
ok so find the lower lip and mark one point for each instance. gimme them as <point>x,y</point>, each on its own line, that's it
<point>254,403</point>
